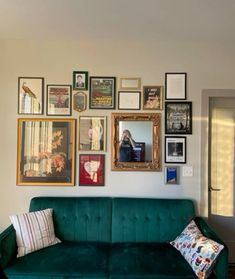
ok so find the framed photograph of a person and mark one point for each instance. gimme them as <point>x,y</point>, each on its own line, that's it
<point>59,99</point>
<point>178,118</point>
<point>91,169</point>
<point>102,93</point>
<point>176,86</point>
<point>80,80</point>
<point>175,150</point>
<point>152,97</point>
<point>92,133</point>
<point>79,101</point>
<point>171,175</point>
<point>30,95</point>
<point>129,100</point>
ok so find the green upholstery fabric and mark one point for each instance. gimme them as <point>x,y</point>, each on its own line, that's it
<point>78,219</point>
<point>112,238</point>
<point>148,260</point>
<point>149,220</point>
<point>76,260</point>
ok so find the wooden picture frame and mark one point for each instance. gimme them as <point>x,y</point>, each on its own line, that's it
<point>46,152</point>
<point>178,118</point>
<point>152,97</point>
<point>59,100</point>
<point>79,101</point>
<point>80,80</point>
<point>102,92</point>
<point>175,150</point>
<point>176,86</point>
<point>91,169</point>
<point>130,83</point>
<point>30,95</point>
<point>92,133</point>
<point>129,100</point>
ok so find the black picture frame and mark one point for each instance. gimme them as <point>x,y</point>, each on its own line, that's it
<point>102,93</point>
<point>129,100</point>
<point>175,150</point>
<point>83,78</point>
<point>178,118</point>
<point>176,86</point>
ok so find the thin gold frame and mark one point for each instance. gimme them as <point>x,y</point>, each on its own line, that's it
<point>122,80</point>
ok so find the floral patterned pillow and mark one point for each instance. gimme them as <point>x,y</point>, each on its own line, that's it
<point>199,251</point>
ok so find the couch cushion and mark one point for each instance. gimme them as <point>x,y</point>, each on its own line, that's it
<point>162,219</point>
<point>64,260</point>
<point>78,219</point>
<point>34,231</point>
<point>145,260</point>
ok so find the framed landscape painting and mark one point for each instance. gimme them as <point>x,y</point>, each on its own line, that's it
<point>46,152</point>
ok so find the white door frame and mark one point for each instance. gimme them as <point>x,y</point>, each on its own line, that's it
<point>206,95</point>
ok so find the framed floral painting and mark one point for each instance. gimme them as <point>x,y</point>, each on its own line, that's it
<point>91,170</point>
<point>46,152</point>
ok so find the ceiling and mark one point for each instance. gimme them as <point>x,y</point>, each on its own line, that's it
<point>188,20</point>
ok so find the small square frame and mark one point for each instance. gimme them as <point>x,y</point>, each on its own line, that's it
<point>178,118</point>
<point>130,83</point>
<point>172,175</point>
<point>59,100</point>
<point>129,100</point>
<point>175,150</point>
<point>30,95</point>
<point>80,80</point>
<point>91,169</point>
<point>176,86</point>
<point>102,92</point>
<point>152,97</point>
<point>92,133</point>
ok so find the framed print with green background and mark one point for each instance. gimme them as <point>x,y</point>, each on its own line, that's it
<point>172,175</point>
<point>79,101</point>
<point>92,133</point>
<point>102,92</point>
<point>129,100</point>
<point>80,80</point>
<point>91,169</point>
<point>46,151</point>
<point>152,97</point>
<point>176,86</point>
<point>178,118</point>
<point>30,95</point>
<point>175,150</point>
<point>59,100</point>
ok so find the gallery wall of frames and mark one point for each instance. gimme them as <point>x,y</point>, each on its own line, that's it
<point>50,142</point>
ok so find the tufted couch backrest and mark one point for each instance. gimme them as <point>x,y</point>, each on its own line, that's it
<point>106,219</point>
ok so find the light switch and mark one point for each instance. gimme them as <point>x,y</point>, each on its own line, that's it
<point>187,171</point>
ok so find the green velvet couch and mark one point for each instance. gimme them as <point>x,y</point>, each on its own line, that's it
<point>112,238</point>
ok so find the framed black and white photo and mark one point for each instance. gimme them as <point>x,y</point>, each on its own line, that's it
<point>178,118</point>
<point>171,175</point>
<point>80,80</point>
<point>175,150</point>
<point>129,100</point>
<point>175,86</point>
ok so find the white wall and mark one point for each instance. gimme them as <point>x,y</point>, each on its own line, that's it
<point>209,65</point>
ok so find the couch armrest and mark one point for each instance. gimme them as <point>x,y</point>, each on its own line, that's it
<point>8,246</point>
<point>221,266</point>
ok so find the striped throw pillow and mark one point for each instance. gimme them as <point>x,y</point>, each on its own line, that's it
<point>34,231</point>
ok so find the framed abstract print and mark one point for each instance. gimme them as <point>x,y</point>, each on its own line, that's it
<point>175,150</point>
<point>152,97</point>
<point>91,169</point>
<point>102,92</point>
<point>176,86</point>
<point>92,133</point>
<point>178,118</point>
<point>46,152</point>
<point>30,95</point>
<point>59,100</point>
<point>80,80</point>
